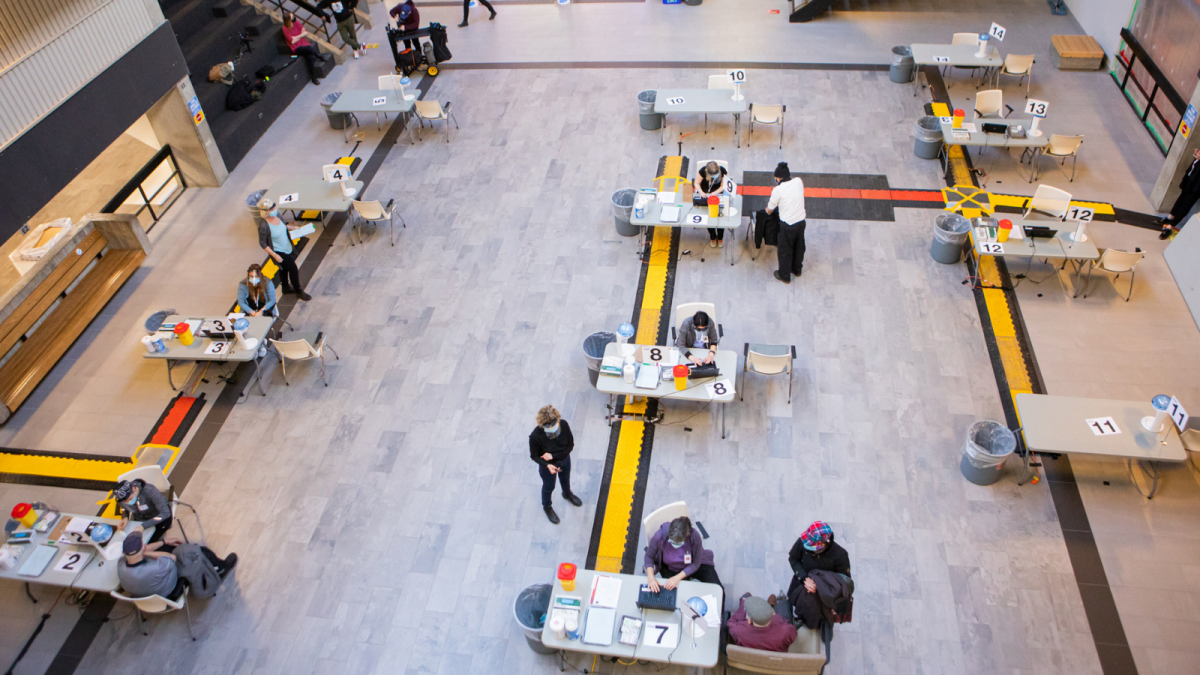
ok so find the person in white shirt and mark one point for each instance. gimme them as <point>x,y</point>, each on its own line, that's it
<point>788,197</point>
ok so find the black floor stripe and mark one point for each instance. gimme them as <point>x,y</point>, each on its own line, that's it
<point>576,65</point>
<point>84,633</point>
<point>1108,633</point>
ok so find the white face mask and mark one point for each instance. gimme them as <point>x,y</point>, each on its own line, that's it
<point>255,280</point>
<point>552,430</point>
<point>674,545</point>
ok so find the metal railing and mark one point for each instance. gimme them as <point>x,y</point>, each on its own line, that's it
<point>151,191</point>
<point>306,13</point>
<point>1151,91</point>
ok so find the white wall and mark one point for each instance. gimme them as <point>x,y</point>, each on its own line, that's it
<point>1103,20</point>
<point>144,132</point>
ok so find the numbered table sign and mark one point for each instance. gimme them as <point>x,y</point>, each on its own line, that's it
<point>736,76</point>
<point>941,59</point>
<point>1103,426</point>
<point>379,100</point>
<point>992,248</point>
<point>1036,108</point>
<point>72,561</point>
<point>337,172</point>
<point>719,388</point>
<point>217,347</point>
<point>730,187</point>
<point>218,326</point>
<point>997,31</point>
<point>697,219</point>
<point>290,199</point>
<point>1080,214</point>
<point>1178,415</point>
<point>665,635</point>
<point>946,120</point>
<point>675,100</point>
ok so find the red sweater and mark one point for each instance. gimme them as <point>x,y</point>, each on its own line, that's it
<point>776,636</point>
<point>289,33</point>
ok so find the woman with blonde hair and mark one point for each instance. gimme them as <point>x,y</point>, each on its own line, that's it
<point>550,446</point>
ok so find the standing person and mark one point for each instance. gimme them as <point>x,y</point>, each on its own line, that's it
<point>710,182</point>
<point>814,550</point>
<point>550,445</point>
<point>407,19</point>
<point>467,8</point>
<point>256,296</point>
<point>1188,196</point>
<point>294,33</point>
<point>274,236</point>
<point>788,197</point>
<point>343,12</point>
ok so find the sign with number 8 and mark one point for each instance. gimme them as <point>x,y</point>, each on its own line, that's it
<point>656,354</point>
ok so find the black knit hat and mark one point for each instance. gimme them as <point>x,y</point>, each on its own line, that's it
<point>782,172</point>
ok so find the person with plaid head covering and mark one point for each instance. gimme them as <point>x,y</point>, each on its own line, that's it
<point>814,550</point>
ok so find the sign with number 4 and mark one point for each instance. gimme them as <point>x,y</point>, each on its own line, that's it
<point>1036,108</point>
<point>1178,415</point>
<point>997,31</point>
<point>1080,214</point>
<point>677,100</point>
<point>289,199</point>
<point>1103,426</point>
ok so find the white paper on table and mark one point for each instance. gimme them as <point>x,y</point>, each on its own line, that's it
<point>666,198</point>
<point>713,615</point>
<point>78,525</point>
<point>719,388</point>
<point>606,590</point>
<point>969,126</point>
<point>664,635</point>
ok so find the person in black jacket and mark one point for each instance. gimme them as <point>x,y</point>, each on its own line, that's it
<point>343,13</point>
<point>467,8</point>
<point>550,446</point>
<point>814,550</point>
<point>1188,196</point>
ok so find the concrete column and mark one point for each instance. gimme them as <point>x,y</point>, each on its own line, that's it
<point>193,145</point>
<point>1179,158</point>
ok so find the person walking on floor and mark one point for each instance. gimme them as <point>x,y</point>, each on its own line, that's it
<point>550,445</point>
<point>467,9</point>
<point>1188,196</point>
<point>788,197</point>
<point>343,13</point>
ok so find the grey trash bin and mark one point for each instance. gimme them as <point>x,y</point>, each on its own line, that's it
<point>530,611</point>
<point>902,64</point>
<point>650,120</point>
<point>622,205</point>
<point>949,237</point>
<point>593,351</point>
<point>929,138</point>
<point>988,445</point>
<point>336,120</point>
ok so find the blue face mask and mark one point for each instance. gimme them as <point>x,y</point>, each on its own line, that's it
<point>274,213</point>
<point>674,545</point>
<point>552,430</point>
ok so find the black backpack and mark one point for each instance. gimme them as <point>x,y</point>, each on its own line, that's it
<point>437,35</point>
<point>243,94</point>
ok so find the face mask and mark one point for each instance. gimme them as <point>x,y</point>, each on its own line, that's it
<point>274,213</point>
<point>674,545</point>
<point>254,280</point>
<point>552,430</point>
<point>131,501</point>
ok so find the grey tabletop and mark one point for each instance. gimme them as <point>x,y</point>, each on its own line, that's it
<point>956,55</point>
<point>654,213</point>
<point>313,194</point>
<point>91,572</point>
<point>696,391</point>
<point>362,100</point>
<point>1060,247</point>
<point>699,101</point>
<point>978,137</point>
<point>1059,424</point>
<point>701,652</point>
<point>259,326</point>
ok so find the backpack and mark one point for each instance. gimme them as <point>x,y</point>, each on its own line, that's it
<point>437,36</point>
<point>243,94</point>
<point>202,578</point>
<point>407,61</point>
<point>836,592</point>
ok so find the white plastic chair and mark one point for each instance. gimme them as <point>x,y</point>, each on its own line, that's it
<point>1018,65</point>
<point>431,111</point>
<point>990,103</point>
<point>1050,201</point>
<point>1064,147</point>
<point>305,346</point>
<point>687,309</point>
<point>663,514</point>
<point>717,82</point>
<point>768,360</point>
<point>373,212</point>
<point>964,39</point>
<point>157,604</point>
<point>1118,263</point>
<point>766,115</point>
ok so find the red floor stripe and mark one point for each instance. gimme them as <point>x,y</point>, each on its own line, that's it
<point>917,195</point>
<point>179,410</point>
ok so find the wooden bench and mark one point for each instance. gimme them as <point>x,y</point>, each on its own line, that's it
<point>54,302</point>
<point>1076,52</point>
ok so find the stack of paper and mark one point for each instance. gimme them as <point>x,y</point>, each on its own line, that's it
<point>670,214</point>
<point>611,365</point>
<point>606,590</point>
<point>713,615</point>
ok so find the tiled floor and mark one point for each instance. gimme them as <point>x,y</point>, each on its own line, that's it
<point>385,523</point>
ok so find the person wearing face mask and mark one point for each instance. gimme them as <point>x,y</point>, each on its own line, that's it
<point>141,503</point>
<point>256,296</point>
<point>814,550</point>
<point>274,236</point>
<point>697,339</point>
<point>788,197</point>
<point>677,552</point>
<point>710,182</point>
<point>550,446</point>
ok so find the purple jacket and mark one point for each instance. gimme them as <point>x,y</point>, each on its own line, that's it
<point>654,551</point>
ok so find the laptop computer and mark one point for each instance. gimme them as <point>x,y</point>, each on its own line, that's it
<point>993,128</point>
<point>1039,232</point>
<point>664,599</point>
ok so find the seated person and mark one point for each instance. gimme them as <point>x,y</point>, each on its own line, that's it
<point>710,181</point>
<point>677,551</point>
<point>699,333</point>
<point>814,550</point>
<point>143,504</point>
<point>150,569</point>
<point>755,625</point>
<point>256,295</point>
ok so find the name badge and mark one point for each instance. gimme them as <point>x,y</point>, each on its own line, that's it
<point>687,558</point>
<point>141,506</point>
